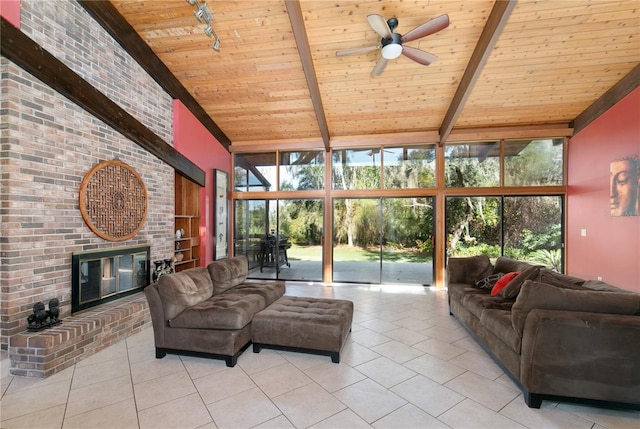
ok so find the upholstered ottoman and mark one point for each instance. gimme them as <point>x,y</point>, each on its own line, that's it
<point>312,325</point>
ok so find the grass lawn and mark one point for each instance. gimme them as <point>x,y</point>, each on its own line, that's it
<point>356,254</point>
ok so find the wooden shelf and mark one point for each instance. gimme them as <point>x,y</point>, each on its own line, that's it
<point>187,218</point>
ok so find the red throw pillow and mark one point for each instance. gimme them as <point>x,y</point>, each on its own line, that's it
<point>504,280</point>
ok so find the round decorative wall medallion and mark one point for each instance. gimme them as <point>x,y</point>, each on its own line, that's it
<point>113,200</point>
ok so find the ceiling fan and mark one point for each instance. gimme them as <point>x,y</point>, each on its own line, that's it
<point>391,44</point>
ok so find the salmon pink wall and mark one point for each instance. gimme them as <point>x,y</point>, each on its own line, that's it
<point>195,142</point>
<point>611,247</point>
<point>10,10</point>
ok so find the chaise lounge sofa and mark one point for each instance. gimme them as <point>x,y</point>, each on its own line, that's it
<point>556,336</point>
<point>208,311</point>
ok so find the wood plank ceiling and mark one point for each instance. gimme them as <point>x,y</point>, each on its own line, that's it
<point>276,81</point>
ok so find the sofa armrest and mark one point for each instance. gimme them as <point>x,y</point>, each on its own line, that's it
<point>157,313</point>
<point>582,354</point>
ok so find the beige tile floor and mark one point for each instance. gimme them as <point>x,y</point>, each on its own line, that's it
<point>407,364</point>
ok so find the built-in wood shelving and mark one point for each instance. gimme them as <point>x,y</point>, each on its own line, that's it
<point>187,219</point>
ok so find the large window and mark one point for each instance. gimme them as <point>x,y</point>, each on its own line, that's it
<point>533,162</point>
<point>301,170</point>
<point>473,226</point>
<point>255,172</point>
<point>526,163</point>
<point>500,197</point>
<point>410,167</point>
<point>533,229</point>
<point>356,168</point>
<point>470,165</point>
<point>527,228</point>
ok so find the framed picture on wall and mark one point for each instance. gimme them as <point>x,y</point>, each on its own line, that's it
<point>221,215</point>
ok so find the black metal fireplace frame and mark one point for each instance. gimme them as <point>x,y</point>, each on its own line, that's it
<point>92,255</point>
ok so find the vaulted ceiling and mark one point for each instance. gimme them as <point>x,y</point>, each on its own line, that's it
<point>520,67</point>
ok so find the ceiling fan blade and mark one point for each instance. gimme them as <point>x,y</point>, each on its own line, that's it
<point>430,27</point>
<point>421,57</point>
<point>379,24</point>
<point>355,51</point>
<point>379,67</point>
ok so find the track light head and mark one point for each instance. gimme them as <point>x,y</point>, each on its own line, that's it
<point>204,15</point>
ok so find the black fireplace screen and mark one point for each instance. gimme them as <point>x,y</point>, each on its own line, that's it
<point>104,275</point>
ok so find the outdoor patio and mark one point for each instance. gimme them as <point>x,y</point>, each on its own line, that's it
<point>405,273</point>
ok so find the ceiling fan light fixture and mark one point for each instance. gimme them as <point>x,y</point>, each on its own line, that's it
<point>391,51</point>
<point>391,43</point>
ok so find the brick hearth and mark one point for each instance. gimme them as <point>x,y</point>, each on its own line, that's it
<point>41,354</point>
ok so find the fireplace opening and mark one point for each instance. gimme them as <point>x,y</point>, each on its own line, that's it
<point>100,276</point>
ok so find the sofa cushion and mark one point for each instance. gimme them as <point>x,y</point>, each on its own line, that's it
<point>457,291</point>
<point>478,300</point>
<point>534,295</point>
<point>270,290</point>
<point>499,322</point>
<point>503,282</point>
<point>184,289</point>
<point>475,300</point>
<point>512,288</point>
<point>508,265</point>
<point>225,311</point>
<point>468,269</point>
<point>602,286</point>
<point>228,273</point>
<point>561,280</point>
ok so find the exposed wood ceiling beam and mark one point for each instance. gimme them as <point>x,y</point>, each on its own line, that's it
<point>616,93</point>
<point>35,60</point>
<point>490,34</point>
<point>107,15</point>
<point>300,34</point>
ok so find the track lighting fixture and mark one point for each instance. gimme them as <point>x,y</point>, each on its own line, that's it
<point>204,15</point>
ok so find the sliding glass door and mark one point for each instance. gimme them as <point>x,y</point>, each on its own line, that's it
<point>251,226</point>
<point>383,240</point>
<point>300,236</point>
<point>282,239</point>
<point>407,240</point>
<point>357,231</point>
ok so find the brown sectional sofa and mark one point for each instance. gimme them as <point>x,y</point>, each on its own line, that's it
<point>208,311</point>
<point>556,336</point>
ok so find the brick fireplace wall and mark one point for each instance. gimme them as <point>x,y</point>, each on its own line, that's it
<point>47,145</point>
